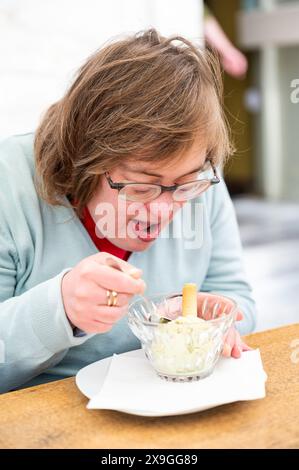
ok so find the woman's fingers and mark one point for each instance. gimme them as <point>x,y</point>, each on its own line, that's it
<point>95,295</point>
<point>236,352</point>
<point>108,314</point>
<point>245,346</point>
<point>91,327</point>
<point>85,292</point>
<point>239,315</point>
<point>111,279</point>
<point>234,345</point>
<point>210,306</point>
<point>124,266</point>
<point>229,342</point>
<point>237,348</point>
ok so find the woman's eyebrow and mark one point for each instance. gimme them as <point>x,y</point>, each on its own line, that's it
<point>196,170</point>
<point>158,175</point>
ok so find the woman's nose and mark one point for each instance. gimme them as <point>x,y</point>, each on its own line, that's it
<point>162,206</point>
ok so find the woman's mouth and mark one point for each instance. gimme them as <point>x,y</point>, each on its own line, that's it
<point>145,231</point>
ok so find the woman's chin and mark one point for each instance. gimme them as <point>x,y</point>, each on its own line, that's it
<point>132,244</point>
<point>139,244</point>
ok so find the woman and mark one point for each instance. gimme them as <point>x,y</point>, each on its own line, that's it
<point>143,110</point>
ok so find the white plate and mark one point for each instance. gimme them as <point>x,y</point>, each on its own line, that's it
<point>90,379</point>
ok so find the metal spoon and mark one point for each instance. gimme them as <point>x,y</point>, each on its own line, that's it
<point>114,264</point>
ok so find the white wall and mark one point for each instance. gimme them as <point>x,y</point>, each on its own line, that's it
<point>43,42</point>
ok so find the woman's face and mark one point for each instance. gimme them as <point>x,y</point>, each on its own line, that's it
<point>134,226</point>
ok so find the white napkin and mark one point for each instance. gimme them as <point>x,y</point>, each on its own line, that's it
<point>132,386</point>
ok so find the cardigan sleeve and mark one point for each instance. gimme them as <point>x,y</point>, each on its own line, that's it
<point>34,331</point>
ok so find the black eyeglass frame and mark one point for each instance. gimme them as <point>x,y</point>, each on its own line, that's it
<point>119,186</point>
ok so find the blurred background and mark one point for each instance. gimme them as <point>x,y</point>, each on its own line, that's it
<point>42,44</point>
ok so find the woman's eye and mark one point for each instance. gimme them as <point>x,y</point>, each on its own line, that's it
<point>184,188</point>
<point>141,190</point>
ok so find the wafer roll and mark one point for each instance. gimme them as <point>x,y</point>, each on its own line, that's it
<point>189,304</point>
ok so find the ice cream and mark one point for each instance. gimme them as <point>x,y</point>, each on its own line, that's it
<point>181,346</point>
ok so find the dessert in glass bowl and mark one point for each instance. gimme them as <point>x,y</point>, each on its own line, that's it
<point>182,334</point>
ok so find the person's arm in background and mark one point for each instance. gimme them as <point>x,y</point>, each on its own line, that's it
<point>226,273</point>
<point>233,60</point>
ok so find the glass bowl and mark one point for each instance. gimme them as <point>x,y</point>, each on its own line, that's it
<point>187,349</point>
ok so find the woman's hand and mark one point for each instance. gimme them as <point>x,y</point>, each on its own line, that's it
<point>233,343</point>
<point>84,292</point>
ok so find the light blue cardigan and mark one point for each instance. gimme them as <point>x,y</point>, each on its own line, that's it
<point>38,243</point>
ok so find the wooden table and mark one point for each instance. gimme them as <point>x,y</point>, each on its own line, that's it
<point>55,415</point>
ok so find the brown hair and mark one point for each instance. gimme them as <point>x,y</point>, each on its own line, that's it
<point>144,96</point>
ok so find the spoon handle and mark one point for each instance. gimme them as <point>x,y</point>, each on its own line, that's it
<point>114,264</point>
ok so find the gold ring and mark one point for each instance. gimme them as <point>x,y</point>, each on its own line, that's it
<point>111,298</point>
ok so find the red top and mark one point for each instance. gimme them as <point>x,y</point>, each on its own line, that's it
<point>102,244</point>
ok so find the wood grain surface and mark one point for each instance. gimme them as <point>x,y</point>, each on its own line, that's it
<point>55,416</point>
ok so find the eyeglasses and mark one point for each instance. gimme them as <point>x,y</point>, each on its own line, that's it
<point>142,192</point>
